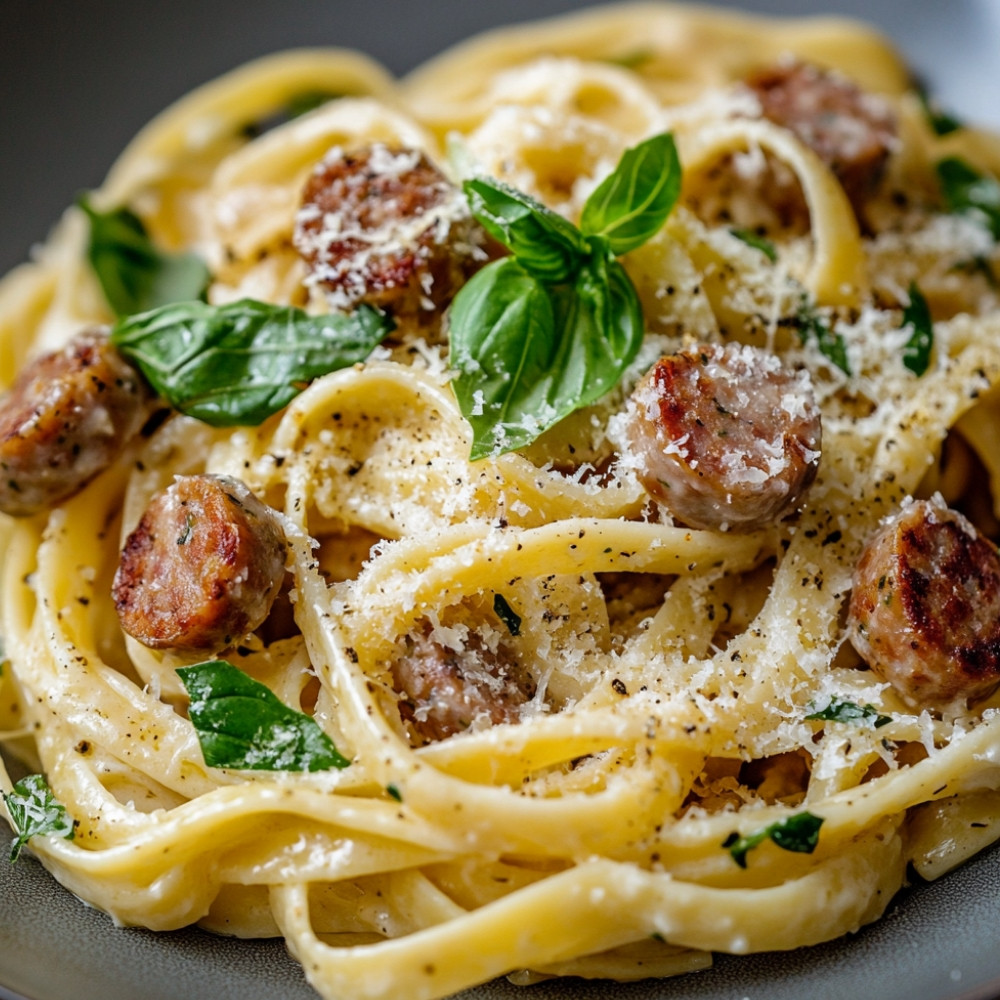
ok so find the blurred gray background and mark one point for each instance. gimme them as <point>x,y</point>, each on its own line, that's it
<point>77,80</point>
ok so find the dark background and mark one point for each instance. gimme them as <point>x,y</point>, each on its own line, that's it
<point>77,80</point>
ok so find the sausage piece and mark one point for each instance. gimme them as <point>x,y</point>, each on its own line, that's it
<point>446,690</point>
<point>202,567</point>
<point>925,608</point>
<point>384,227</point>
<point>851,131</point>
<point>65,419</point>
<point>725,437</point>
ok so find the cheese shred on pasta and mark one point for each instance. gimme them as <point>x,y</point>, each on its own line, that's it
<point>671,670</point>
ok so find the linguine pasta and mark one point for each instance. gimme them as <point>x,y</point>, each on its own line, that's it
<point>623,825</point>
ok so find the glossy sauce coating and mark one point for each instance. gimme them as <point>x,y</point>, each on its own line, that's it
<point>725,437</point>
<point>925,608</point>
<point>64,420</point>
<point>202,567</point>
<point>384,227</point>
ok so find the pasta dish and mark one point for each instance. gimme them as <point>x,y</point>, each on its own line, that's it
<point>537,517</point>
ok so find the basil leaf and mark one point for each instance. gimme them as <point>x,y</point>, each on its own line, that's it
<point>528,355</point>
<point>599,323</point>
<point>134,275</point>
<point>917,352</point>
<point>967,191</point>
<point>507,614</point>
<point>758,242</point>
<point>393,792</point>
<point>35,812</point>
<point>831,345</point>
<point>848,712</point>
<point>631,204</point>
<point>799,833</point>
<point>242,724</point>
<point>502,332</point>
<point>239,363</point>
<point>546,245</point>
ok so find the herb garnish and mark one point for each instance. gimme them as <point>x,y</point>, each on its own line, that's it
<point>296,106</point>
<point>133,273</point>
<point>237,364</point>
<point>849,711</point>
<point>794,833</point>
<point>242,724</point>
<point>917,352</point>
<point>550,329</point>
<point>831,345</point>
<point>758,242</point>
<point>393,792</point>
<point>35,812</point>
<point>967,191</point>
<point>507,614</point>
<point>941,122</point>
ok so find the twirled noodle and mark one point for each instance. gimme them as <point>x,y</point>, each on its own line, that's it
<point>672,669</point>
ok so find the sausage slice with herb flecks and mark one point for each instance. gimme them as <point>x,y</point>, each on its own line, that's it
<point>925,608</point>
<point>724,437</point>
<point>383,226</point>
<point>65,419</point>
<point>851,131</point>
<point>202,568</point>
<point>447,688</point>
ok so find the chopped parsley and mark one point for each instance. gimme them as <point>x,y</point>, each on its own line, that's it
<point>506,614</point>
<point>798,833</point>
<point>35,812</point>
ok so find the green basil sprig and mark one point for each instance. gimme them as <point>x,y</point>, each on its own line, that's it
<point>134,275</point>
<point>237,364</point>
<point>35,812</point>
<point>967,191</point>
<point>550,329</point>
<point>850,712</point>
<point>917,351</point>
<point>242,724</point>
<point>798,833</point>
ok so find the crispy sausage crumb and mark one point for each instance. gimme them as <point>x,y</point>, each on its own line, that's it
<point>65,419</point>
<point>925,608</point>
<point>384,227</point>
<point>445,691</point>
<point>725,437</point>
<point>202,568</point>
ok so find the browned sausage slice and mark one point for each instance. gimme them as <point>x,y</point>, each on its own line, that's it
<point>446,690</point>
<point>384,227</point>
<point>925,609</point>
<point>65,419</point>
<point>852,132</point>
<point>725,437</point>
<point>202,567</point>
